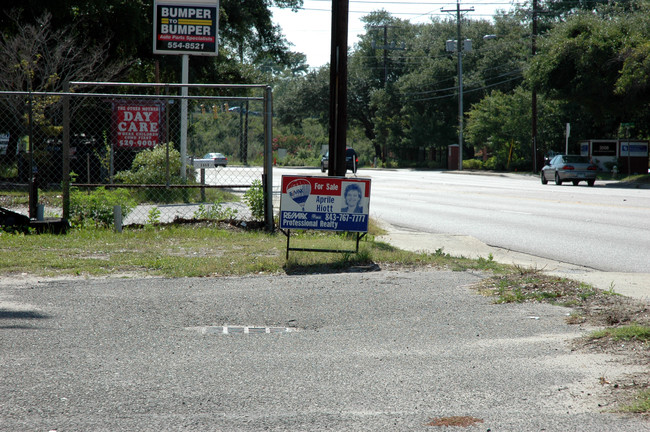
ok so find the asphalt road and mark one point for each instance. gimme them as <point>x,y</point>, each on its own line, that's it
<point>602,227</point>
<point>374,351</point>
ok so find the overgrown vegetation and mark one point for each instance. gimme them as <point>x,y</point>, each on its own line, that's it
<point>160,165</point>
<point>215,212</point>
<point>199,250</point>
<point>96,207</point>
<point>254,198</point>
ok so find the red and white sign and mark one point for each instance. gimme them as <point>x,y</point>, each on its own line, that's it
<point>137,125</point>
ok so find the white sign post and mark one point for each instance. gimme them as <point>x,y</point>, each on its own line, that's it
<point>568,132</point>
<point>186,28</point>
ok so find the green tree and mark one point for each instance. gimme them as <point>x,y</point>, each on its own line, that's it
<point>501,124</point>
<point>247,35</point>
<point>595,62</point>
<point>39,57</point>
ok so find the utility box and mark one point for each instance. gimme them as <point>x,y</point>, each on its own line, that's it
<point>452,45</point>
<point>453,153</point>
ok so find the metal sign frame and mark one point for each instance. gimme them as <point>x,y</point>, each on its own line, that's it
<point>325,204</point>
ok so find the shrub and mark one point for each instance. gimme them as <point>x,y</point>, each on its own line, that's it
<point>254,198</point>
<point>472,164</point>
<point>150,167</point>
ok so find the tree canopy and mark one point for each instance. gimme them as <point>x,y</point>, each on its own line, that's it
<point>247,34</point>
<point>591,69</point>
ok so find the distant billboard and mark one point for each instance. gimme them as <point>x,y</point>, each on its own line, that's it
<point>603,148</point>
<point>634,149</point>
<point>186,27</point>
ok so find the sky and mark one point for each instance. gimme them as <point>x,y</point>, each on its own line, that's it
<point>309,29</point>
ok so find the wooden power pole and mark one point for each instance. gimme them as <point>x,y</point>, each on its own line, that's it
<point>338,88</point>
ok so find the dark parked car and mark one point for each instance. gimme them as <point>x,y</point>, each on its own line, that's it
<point>351,160</point>
<point>571,168</point>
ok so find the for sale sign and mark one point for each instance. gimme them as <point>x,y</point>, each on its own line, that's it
<point>186,27</point>
<point>137,124</point>
<point>325,203</point>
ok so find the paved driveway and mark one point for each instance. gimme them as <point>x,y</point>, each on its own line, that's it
<point>378,351</point>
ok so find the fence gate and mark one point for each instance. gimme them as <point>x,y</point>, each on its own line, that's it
<point>145,139</point>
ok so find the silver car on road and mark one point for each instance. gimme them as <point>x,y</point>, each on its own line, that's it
<point>573,168</point>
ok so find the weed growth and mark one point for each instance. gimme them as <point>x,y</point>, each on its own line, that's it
<point>95,207</point>
<point>254,199</point>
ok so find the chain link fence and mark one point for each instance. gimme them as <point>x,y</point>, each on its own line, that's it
<point>160,151</point>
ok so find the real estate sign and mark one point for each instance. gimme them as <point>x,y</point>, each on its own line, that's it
<point>325,203</point>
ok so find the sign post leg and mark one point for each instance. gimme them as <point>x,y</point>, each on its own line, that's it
<point>184,93</point>
<point>288,237</point>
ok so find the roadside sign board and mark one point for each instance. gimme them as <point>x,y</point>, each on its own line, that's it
<point>634,149</point>
<point>137,124</point>
<point>4,142</point>
<point>186,27</point>
<point>325,203</point>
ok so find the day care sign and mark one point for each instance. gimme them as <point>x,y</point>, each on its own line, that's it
<point>137,124</point>
<point>325,203</point>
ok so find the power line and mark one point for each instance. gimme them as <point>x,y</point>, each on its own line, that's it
<point>473,90</point>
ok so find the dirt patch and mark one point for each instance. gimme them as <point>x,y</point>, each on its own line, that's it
<point>595,309</point>
<point>462,421</point>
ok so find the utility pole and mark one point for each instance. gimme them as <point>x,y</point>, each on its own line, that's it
<point>533,125</point>
<point>386,47</point>
<point>460,80</point>
<point>338,88</point>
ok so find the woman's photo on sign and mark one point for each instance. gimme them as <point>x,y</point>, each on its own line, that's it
<point>352,199</point>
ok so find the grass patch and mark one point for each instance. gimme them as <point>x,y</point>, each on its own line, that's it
<point>640,405</point>
<point>205,249</point>
<point>637,179</point>
<point>523,285</point>
<point>633,332</point>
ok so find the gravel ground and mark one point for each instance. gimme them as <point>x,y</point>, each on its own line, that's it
<point>368,351</point>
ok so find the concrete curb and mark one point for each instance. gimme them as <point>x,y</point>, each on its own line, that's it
<point>635,285</point>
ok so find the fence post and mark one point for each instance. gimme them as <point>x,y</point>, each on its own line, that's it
<point>65,184</point>
<point>117,218</point>
<point>33,187</point>
<point>267,177</point>
<point>203,183</point>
